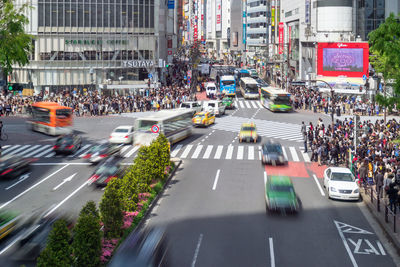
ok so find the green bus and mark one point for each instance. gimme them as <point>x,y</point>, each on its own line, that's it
<point>275,99</point>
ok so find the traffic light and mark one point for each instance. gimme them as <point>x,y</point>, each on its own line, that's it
<point>167,66</point>
<point>10,87</point>
<point>15,87</point>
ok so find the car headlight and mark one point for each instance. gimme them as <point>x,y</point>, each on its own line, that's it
<point>356,191</point>
<point>332,189</point>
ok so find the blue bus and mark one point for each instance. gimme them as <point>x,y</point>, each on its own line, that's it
<point>227,85</point>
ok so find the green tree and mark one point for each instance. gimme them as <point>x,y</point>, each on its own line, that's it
<point>58,250</point>
<point>90,209</point>
<point>15,44</point>
<point>384,45</point>
<point>111,209</point>
<point>86,243</point>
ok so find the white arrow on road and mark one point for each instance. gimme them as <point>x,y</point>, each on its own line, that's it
<point>68,179</point>
<point>20,179</point>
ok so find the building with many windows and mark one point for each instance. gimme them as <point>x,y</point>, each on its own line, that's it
<point>80,45</point>
<point>257,24</point>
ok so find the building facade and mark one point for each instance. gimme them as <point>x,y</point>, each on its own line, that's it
<point>257,24</point>
<point>81,45</point>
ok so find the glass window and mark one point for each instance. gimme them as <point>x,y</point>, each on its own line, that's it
<point>41,15</point>
<point>60,15</point>
<point>119,15</point>
<point>135,16</point>
<point>47,14</point>
<point>141,15</point>
<point>93,13</point>
<point>345,177</point>
<point>86,15</point>
<point>380,3</point>
<point>40,114</point>
<point>111,15</point>
<point>380,14</point>
<point>74,11</point>
<point>80,15</point>
<point>67,8</point>
<point>99,15</point>
<point>106,15</point>
<point>54,14</point>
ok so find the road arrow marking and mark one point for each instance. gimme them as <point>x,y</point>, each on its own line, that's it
<point>68,179</point>
<point>20,179</point>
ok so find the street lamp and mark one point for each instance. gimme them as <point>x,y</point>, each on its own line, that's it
<point>332,98</point>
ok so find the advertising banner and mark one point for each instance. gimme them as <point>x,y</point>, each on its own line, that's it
<point>244,20</point>
<point>218,14</point>
<point>290,40</point>
<point>209,16</point>
<point>346,59</point>
<point>281,37</point>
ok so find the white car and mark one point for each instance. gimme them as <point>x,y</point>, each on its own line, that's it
<point>122,135</point>
<point>211,89</point>
<point>195,106</point>
<point>216,106</point>
<point>341,184</point>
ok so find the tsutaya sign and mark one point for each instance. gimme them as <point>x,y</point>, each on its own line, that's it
<point>138,63</point>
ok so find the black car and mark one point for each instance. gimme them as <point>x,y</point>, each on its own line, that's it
<point>272,153</point>
<point>107,170</point>
<point>143,248</point>
<point>12,166</point>
<point>67,144</point>
<point>100,152</point>
<point>261,82</point>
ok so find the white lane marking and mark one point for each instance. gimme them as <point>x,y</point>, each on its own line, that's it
<point>208,152</point>
<point>218,153</point>
<point>271,252</point>
<point>79,151</point>
<point>36,151</point>
<point>247,104</point>
<point>65,199</point>
<point>33,186</point>
<point>27,150</point>
<point>211,133</point>
<point>240,152</point>
<point>353,260</point>
<point>319,186</point>
<point>20,180</point>
<point>216,180</point>
<point>241,104</point>
<point>259,152</point>
<point>251,153</point>
<point>306,157</point>
<point>294,154</point>
<point>19,149</point>
<point>48,150</point>
<point>381,248</point>
<point>236,97</point>
<point>284,153</point>
<point>176,150</point>
<point>61,164</point>
<point>10,148</point>
<point>197,152</point>
<point>196,252</point>
<point>125,148</point>
<point>17,239</point>
<point>52,154</point>
<point>229,152</point>
<point>130,153</point>
<point>68,179</point>
<point>253,104</point>
<point>186,151</point>
<point>259,104</point>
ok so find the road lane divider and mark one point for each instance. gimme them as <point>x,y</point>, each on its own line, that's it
<point>68,179</point>
<point>318,185</point>
<point>271,251</point>
<point>196,252</point>
<point>33,186</point>
<point>216,180</point>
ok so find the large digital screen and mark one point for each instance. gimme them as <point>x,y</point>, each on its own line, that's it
<point>343,59</point>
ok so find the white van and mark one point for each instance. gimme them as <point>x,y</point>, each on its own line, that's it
<point>211,89</point>
<point>216,106</point>
<point>195,106</point>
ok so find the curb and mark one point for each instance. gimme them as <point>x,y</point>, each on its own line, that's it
<point>178,163</point>
<point>387,229</point>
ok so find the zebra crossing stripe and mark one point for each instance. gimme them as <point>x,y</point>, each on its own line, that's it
<point>229,152</point>
<point>208,152</point>
<point>306,157</point>
<point>186,151</point>
<point>10,148</point>
<point>79,151</point>
<point>197,152</point>
<point>218,153</point>
<point>176,150</point>
<point>284,153</point>
<point>125,148</point>
<point>253,104</point>
<point>294,154</point>
<point>247,104</point>
<point>241,104</point>
<point>240,152</point>
<point>36,151</point>
<point>28,150</point>
<point>251,153</point>
<point>130,153</point>
<point>44,152</point>
<point>18,149</point>
<point>52,154</point>
<point>259,152</point>
<point>259,104</point>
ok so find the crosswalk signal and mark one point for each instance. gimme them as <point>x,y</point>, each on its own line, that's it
<point>10,87</point>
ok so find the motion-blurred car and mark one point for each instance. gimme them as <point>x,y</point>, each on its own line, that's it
<point>253,73</point>
<point>99,152</point>
<point>122,135</point>
<point>227,102</point>
<point>67,144</point>
<point>272,153</point>
<point>341,184</point>
<point>8,223</point>
<point>12,166</point>
<point>248,133</point>
<point>280,194</point>
<point>195,106</point>
<point>107,170</point>
<point>261,82</point>
<point>143,248</point>
<point>203,118</point>
<point>216,106</point>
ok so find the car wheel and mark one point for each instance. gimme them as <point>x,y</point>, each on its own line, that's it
<point>329,197</point>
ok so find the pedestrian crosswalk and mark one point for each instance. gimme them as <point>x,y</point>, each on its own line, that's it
<point>270,129</point>
<point>189,151</point>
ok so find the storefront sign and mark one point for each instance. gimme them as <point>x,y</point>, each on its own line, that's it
<point>138,63</point>
<point>281,39</point>
<point>95,42</point>
<point>307,12</point>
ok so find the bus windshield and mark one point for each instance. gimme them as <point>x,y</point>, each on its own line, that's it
<point>225,83</point>
<point>145,125</point>
<point>282,100</point>
<point>251,88</point>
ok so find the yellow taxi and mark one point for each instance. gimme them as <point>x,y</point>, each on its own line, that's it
<point>248,133</point>
<point>203,118</point>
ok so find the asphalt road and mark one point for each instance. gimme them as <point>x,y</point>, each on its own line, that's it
<point>214,209</point>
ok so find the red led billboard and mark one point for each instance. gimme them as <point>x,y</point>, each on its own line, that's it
<point>343,59</point>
